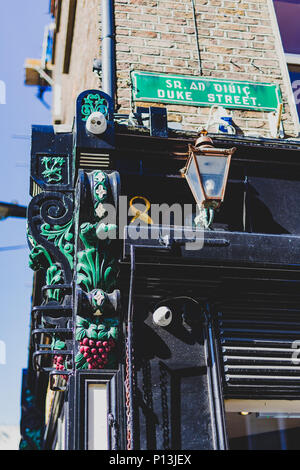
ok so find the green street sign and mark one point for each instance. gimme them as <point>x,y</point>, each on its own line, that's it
<point>201,91</point>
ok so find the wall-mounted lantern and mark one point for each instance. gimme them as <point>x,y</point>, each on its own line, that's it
<point>206,173</point>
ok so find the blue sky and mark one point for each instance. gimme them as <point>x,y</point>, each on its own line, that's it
<point>21,35</point>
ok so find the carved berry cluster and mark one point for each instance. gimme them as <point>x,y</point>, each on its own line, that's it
<point>58,364</point>
<point>96,352</point>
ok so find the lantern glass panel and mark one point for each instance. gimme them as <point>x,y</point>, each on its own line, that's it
<point>213,172</point>
<point>192,177</point>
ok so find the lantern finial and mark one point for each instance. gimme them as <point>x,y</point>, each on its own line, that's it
<point>204,139</point>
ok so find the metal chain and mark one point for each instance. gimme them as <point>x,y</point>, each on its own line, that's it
<point>127,391</point>
<point>164,406</point>
<point>129,410</point>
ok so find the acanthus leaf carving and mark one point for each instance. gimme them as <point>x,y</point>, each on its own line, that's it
<point>97,277</point>
<point>93,103</point>
<point>53,169</point>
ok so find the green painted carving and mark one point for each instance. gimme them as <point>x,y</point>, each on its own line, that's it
<point>39,257</point>
<point>31,438</point>
<point>32,441</point>
<point>93,103</point>
<point>62,237</point>
<point>54,276</point>
<point>57,344</point>
<point>96,275</point>
<point>205,217</point>
<point>97,338</point>
<point>95,269</point>
<point>100,193</point>
<point>105,228</point>
<point>53,169</point>
<point>89,259</point>
<point>29,398</point>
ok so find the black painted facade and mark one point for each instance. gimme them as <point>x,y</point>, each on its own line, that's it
<point>167,386</point>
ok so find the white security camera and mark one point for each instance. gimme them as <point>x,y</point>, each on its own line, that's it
<point>96,123</point>
<point>162,316</point>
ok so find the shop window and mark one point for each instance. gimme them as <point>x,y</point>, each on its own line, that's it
<point>294,71</point>
<point>98,410</point>
<point>288,13</point>
<point>262,424</point>
<point>97,417</point>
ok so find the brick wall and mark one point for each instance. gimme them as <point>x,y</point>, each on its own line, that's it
<point>236,38</point>
<point>237,41</point>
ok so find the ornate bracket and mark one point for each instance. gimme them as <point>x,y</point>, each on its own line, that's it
<point>97,270</point>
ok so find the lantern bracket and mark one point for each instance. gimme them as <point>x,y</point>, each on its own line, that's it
<point>205,217</point>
